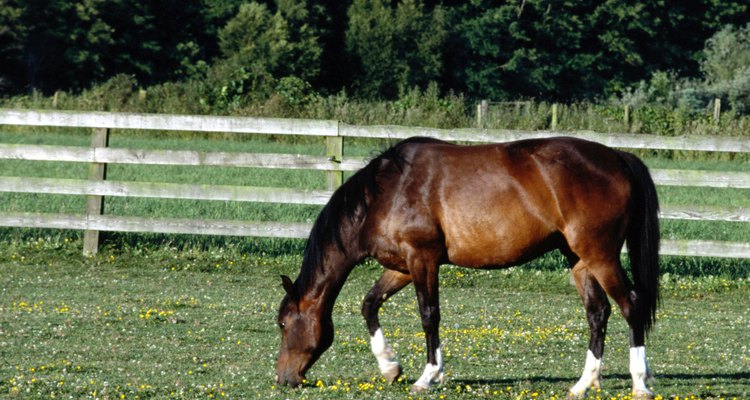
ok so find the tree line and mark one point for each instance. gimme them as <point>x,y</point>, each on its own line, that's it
<point>236,51</point>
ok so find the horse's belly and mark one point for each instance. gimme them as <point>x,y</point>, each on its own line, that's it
<point>501,255</point>
<point>496,243</point>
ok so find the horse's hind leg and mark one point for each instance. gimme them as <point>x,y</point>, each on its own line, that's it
<point>614,282</point>
<point>597,312</point>
<point>388,284</point>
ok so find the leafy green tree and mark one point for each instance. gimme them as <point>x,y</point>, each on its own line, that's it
<point>727,65</point>
<point>280,43</point>
<point>161,41</point>
<point>61,44</point>
<point>65,43</point>
<point>259,47</point>
<point>726,53</point>
<point>550,49</point>
<point>561,49</point>
<point>396,48</point>
<point>12,37</point>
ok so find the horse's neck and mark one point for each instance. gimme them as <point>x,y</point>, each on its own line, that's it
<point>326,282</point>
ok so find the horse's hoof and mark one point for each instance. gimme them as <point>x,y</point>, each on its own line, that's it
<point>576,396</point>
<point>641,395</point>
<point>393,373</point>
<point>416,389</point>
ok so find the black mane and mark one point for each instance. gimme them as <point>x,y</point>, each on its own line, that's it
<point>348,203</point>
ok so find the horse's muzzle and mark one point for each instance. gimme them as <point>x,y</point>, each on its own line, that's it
<point>290,379</point>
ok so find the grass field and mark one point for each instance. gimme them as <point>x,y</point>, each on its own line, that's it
<point>168,323</point>
<point>178,316</point>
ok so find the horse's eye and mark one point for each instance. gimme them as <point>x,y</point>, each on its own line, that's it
<point>281,325</point>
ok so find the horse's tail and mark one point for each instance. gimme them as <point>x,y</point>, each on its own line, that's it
<point>643,239</point>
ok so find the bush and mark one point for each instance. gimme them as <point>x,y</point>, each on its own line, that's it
<point>726,66</point>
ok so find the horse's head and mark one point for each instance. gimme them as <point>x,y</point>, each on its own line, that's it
<point>305,335</point>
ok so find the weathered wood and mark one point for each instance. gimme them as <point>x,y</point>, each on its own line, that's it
<point>163,190</point>
<point>334,128</point>
<point>175,157</point>
<point>295,161</point>
<point>705,213</point>
<point>723,179</point>
<point>691,248</point>
<point>272,195</point>
<point>43,220</point>
<point>483,109</point>
<point>717,111</point>
<point>333,162</point>
<point>553,122</point>
<point>47,153</point>
<point>95,203</point>
<point>156,225</point>
<point>166,122</point>
<point>626,117</point>
<point>292,161</point>
<point>335,153</point>
<point>619,140</point>
<point>705,248</point>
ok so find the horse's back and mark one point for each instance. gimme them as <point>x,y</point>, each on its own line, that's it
<point>501,204</point>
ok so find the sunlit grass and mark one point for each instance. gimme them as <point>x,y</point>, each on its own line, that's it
<point>162,322</point>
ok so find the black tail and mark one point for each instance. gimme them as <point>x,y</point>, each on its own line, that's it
<point>643,239</point>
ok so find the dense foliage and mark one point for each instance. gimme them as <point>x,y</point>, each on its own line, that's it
<point>227,54</point>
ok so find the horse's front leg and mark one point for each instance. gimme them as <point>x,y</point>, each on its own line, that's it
<point>388,284</point>
<point>426,284</point>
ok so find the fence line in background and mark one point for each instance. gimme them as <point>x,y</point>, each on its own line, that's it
<point>97,188</point>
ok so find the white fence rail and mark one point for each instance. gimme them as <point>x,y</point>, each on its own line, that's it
<point>334,163</point>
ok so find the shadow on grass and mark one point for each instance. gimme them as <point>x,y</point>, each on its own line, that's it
<point>663,379</point>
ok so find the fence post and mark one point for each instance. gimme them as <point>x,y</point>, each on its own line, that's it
<point>717,110</point>
<point>482,110</point>
<point>335,153</point>
<point>627,117</point>
<point>95,204</point>
<point>553,124</point>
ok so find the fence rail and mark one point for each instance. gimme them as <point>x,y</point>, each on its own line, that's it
<point>334,163</point>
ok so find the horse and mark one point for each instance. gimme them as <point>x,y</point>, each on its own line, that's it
<point>425,202</point>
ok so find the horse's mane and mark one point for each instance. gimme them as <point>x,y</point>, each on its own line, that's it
<point>348,203</point>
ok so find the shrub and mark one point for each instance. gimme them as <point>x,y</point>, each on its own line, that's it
<point>726,66</point>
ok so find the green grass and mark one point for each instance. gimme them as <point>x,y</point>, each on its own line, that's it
<point>168,322</point>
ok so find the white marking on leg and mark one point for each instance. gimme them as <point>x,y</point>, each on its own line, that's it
<point>591,377</point>
<point>385,355</point>
<point>639,370</point>
<point>433,373</point>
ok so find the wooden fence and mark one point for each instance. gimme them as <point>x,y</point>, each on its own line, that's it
<point>334,163</point>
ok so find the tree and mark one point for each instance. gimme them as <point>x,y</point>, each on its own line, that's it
<point>395,48</point>
<point>259,47</point>
<point>727,65</point>
<point>550,49</point>
<point>12,37</point>
<point>282,43</point>
<point>64,44</point>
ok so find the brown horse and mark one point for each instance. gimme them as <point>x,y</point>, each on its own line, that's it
<point>424,202</point>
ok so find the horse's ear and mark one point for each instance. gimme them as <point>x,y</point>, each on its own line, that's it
<point>288,286</point>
